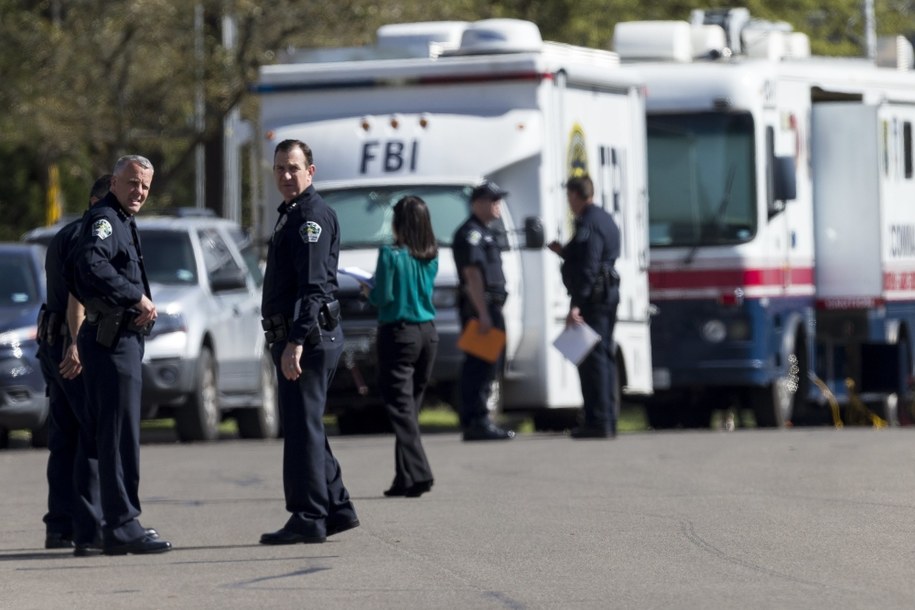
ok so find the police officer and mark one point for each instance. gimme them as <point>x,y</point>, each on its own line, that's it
<point>74,511</point>
<point>482,294</point>
<point>593,285</point>
<point>111,282</point>
<point>302,323</point>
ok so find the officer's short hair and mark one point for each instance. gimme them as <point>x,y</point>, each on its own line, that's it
<point>101,187</point>
<point>581,186</point>
<point>130,159</point>
<point>287,145</point>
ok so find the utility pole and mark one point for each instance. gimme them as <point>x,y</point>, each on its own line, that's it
<point>199,109</point>
<point>870,29</point>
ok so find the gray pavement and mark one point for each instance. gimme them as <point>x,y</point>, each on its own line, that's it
<point>813,519</point>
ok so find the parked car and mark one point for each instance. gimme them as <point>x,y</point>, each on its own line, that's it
<point>23,403</point>
<point>206,357</point>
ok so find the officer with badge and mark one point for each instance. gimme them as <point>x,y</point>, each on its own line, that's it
<point>588,274</point>
<point>482,294</point>
<point>302,324</point>
<point>74,512</point>
<point>111,283</point>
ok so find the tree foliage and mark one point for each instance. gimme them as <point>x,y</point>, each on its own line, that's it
<point>85,81</point>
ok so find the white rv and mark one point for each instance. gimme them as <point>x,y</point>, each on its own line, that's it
<point>434,108</point>
<point>781,220</point>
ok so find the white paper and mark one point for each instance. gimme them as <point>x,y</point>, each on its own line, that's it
<point>359,274</point>
<point>576,342</point>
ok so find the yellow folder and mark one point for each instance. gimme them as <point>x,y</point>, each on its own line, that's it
<point>486,346</point>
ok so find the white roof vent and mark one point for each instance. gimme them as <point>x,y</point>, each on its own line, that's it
<point>500,36</point>
<point>895,52</point>
<point>653,40</point>
<point>429,38</point>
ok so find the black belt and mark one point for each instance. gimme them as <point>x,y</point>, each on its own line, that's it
<point>495,298</point>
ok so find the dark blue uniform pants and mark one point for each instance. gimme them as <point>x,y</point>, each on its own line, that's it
<point>114,384</point>
<point>312,479</point>
<point>597,371</point>
<point>477,376</point>
<point>74,509</point>
<point>406,353</point>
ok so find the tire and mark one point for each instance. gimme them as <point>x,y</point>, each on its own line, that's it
<point>662,413</point>
<point>775,405</point>
<point>198,419</point>
<point>263,420</point>
<point>370,419</point>
<point>4,438</point>
<point>40,435</point>
<point>495,403</point>
<point>555,420</point>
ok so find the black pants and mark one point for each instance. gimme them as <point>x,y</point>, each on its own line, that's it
<point>406,353</point>
<point>114,383</point>
<point>74,508</point>
<point>597,371</point>
<point>477,376</point>
<point>312,479</point>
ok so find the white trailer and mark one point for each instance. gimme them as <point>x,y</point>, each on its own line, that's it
<point>780,214</point>
<point>434,108</point>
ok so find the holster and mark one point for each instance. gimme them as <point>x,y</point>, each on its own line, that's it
<point>275,328</point>
<point>607,280</point>
<point>329,315</point>
<point>50,324</point>
<point>108,318</point>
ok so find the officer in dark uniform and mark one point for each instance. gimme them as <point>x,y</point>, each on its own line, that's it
<point>111,282</point>
<point>593,284</point>
<point>302,324</point>
<point>74,511</point>
<point>482,295</point>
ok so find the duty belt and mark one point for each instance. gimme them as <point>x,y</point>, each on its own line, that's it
<point>495,298</point>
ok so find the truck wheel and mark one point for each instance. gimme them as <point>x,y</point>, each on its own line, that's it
<point>662,413</point>
<point>555,420</point>
<point>495,403</point>
<point>262,421</point>
<point>4,438</point>
<point>776,404</point>
<point>369,419</point>
<point>198,419</point>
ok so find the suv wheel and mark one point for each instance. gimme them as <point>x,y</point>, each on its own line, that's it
<point>262,421</point>
<point>198,420</point>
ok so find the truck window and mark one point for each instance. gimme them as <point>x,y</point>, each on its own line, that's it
<point>701,179</point>
<point>365,214</point>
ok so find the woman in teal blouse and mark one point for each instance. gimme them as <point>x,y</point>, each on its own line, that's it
<point>407,339</point>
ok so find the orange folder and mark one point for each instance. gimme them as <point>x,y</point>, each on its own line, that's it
<point>487,346</point>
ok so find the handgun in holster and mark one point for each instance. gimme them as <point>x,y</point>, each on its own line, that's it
<point>52,323</point>
<point>607,280</point>
<point>329,315</point>
<point>42,324</point>
<point>275,328</point>
<point>108,318</point>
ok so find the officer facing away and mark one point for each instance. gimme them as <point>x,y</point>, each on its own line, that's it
<point>302,324</point>
<point>593,284</point>
<point>74,512</point>
<point>111,282</point>
<point>482,295</point>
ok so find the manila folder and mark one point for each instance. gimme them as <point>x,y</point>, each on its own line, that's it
<point>484,346</point>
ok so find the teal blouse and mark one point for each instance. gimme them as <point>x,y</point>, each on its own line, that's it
<point>403,286</point>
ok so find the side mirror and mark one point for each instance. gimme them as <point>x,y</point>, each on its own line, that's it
<point>784,184</point>
<point>533,233</point>
<point>225,280</point>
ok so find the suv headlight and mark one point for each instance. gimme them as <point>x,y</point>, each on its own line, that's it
<point>168,323</point>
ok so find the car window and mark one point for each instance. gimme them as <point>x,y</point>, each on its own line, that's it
<point>168,257</point>
<point>18,285</point>
<point>248,252</point>
<point>217,257</point>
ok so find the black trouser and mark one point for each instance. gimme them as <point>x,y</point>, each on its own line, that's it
<point>406,353</point>
<point>114,383</point>
<point>74,509</point>
<point>598,370</point>
<point>477,376</point>
<point>312,479</point>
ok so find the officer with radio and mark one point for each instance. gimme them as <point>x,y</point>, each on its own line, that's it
<point>110,280</point>
<point>482,295</point>
<point>302,324</point>
<point>74,512</point>
<point>588,274</point>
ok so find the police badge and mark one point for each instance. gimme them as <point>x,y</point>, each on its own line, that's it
<point>101,229</point>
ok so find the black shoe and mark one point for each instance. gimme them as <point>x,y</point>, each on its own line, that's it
<point>418,489</point>
<point>396,490</point>
<point>487,432</point>
<point>87,549</point>
<point>296,530</point>
<point>53,540</point>
<point>152,533</point>
<point>592,432</point>
<point>335,527</point>
<point>141,546</point>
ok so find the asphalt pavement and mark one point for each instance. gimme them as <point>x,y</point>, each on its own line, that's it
<point>815,518</point>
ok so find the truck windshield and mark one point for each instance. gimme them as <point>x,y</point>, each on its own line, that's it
<point>365,214</point>
<point>701,179</point>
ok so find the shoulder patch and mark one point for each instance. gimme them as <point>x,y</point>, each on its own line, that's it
<point>101,229</point>
<point>310,232</point>
<point>474,237</point>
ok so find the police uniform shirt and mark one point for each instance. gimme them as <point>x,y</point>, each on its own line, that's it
<point>302,259</point>
<point>596,241</point>
<point>474,244</point>
<point>58,268</point>
<point>107,260</point>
